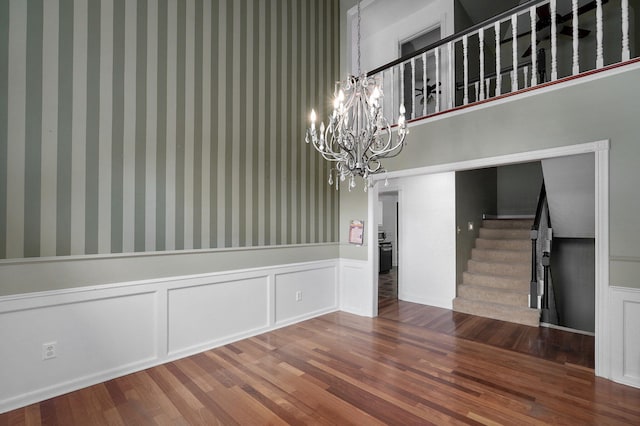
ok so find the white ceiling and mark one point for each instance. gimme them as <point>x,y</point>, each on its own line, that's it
<point>377,14</point>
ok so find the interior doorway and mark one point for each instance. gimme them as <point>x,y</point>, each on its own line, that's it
<point>600,149</point>
<point>388,247</point>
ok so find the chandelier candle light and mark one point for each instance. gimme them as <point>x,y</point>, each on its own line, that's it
<point>357,135</point>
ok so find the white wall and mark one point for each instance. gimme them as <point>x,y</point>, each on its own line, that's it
<point>386,24</point>
<point>106,331</point>
<point>427,237</point>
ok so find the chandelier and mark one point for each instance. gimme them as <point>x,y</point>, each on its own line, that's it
<point>357,135</point>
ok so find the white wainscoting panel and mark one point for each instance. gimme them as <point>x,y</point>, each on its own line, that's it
<point>203,314</point>
<point>107,332</point>
<point>625,338</point>
<point>103,332</point>
<point>356,291</point>
<point>317,294</point>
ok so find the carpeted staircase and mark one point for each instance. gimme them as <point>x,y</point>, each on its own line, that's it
<point>496,283</point>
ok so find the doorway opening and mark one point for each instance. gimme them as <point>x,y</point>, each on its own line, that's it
<point>388,248</point>
<point>446,262</point>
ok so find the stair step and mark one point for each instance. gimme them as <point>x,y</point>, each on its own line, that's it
<point>490,255</point>
<point>485,280</point>
<point>515,270</point>
<point>503,244</point>
<point>507,223</point>
<point>505,234</point>
<point>494,295</point>
<point>519,315</point>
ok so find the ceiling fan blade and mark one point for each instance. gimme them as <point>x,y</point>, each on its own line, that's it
<point>568,31</point>
<point>582,9</point>
<point>508,40</point>
<point>527,52</point>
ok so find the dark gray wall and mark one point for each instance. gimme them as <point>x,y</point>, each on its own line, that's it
<point>475,195</point>
<point>518,188</point>
<point>569,182</point>
<point>573,275</point>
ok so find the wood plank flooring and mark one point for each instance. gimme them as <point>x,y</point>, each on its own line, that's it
<point>411,365</point>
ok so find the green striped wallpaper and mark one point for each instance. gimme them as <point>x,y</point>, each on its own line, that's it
<point>156,125</point>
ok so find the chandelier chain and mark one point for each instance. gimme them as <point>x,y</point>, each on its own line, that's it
<point>358,44</point>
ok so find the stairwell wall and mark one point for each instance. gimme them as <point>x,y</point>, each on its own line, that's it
<point>476,194</point>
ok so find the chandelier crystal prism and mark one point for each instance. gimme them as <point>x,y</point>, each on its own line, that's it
<point>357,135</point>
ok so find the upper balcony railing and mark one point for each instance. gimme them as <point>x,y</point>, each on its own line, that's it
<point>530,45</point>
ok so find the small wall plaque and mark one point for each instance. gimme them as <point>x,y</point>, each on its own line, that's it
<point>356,232</point>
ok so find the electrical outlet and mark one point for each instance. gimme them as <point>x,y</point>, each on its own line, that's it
<point>49,350</point>
<point>298,296</point>
<point>470,226</point>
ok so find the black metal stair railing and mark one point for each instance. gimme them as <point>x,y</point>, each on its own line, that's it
<point>545,260</point>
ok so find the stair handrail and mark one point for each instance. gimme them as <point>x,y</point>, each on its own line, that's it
<point>535,228</point>
<point>545,260</point>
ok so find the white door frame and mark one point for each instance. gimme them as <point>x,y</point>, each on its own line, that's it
<point>601,154</point>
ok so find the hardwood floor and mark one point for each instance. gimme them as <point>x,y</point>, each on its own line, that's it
<point>411,365</point>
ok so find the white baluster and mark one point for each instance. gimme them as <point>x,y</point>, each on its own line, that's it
<point>402,84</point>
<point>465,48</point>
<point>574,10</point>
<point>599,49</point>
<point>498,73</point>
<point>488,89</point>
<point>626,55</point>
<point>437,89</point>
<point>393,95</point>
<point>525,72</point>
<point>477,87</point>
<point>534,48</point>
<point>514,53</point>
<point>382,87</point>
<point>424,83</point>
<point>452,78</point>
<point>554,42</point>
<point>481,36</point>
<point>413,87</point>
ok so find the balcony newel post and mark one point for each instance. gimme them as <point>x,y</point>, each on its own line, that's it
<point>626,55</point>
<point>465,51</point>
<point>534,48</point>
<point>533,287</point>
<point>574,10</point>
<point>498,59</point>
<point>554,42</point>
<point>481,36</point>
<point>514,53</point>
<point>599,48</point>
